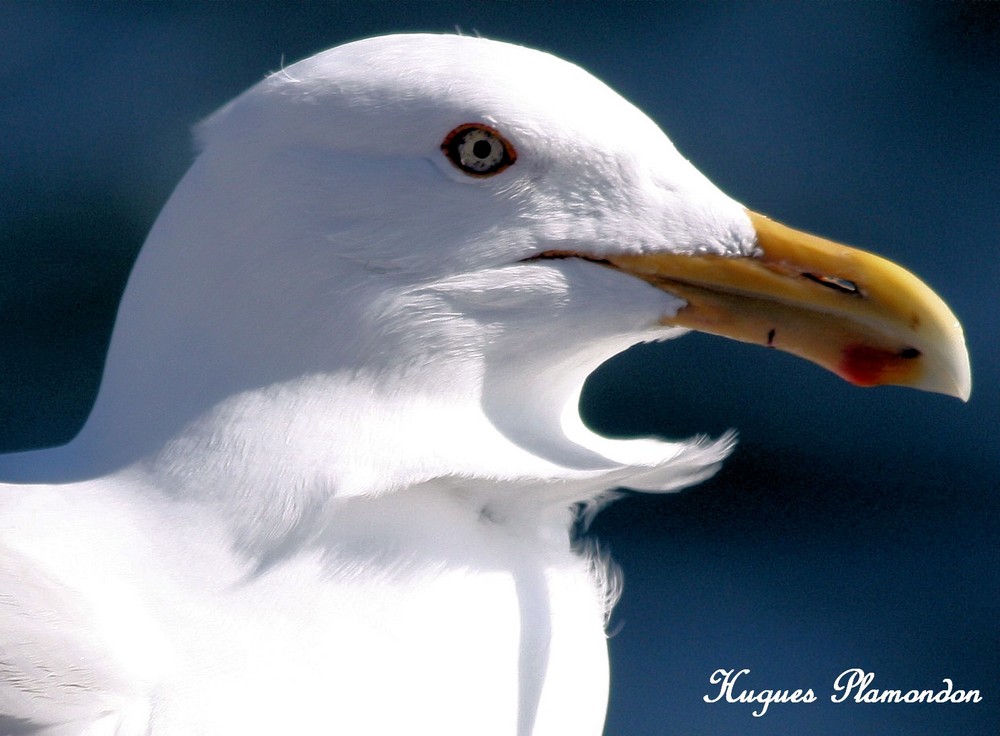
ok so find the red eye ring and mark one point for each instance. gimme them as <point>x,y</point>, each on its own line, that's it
<point>478,150</point>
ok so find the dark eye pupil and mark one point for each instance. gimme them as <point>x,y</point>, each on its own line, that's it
<point>482,149</point>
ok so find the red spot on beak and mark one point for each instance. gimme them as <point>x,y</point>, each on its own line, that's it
<point>864,365</point>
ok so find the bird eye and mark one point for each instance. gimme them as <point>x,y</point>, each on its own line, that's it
<point>478,149</point>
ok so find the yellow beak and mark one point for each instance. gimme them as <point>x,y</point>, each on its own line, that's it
<point>862,317</point>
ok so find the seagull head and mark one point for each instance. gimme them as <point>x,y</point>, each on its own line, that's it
<point>396,262</point>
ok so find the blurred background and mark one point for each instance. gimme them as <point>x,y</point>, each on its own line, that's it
<point>851,528</point>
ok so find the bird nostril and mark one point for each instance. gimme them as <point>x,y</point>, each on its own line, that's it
<point>845,286</point>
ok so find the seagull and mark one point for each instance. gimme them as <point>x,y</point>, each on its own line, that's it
<point>335,474</point>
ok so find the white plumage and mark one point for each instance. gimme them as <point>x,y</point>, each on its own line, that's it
<point>329,482</point>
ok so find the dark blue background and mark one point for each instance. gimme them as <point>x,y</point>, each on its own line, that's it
<point>852,528</point>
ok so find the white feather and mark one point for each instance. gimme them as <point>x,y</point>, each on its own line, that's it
<point>330,480</point>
